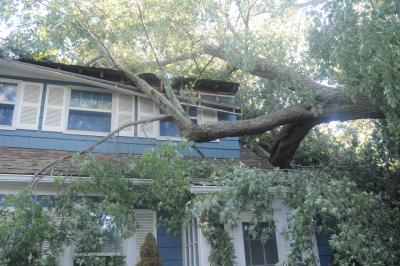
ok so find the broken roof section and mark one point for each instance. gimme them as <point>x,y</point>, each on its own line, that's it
<point>214,86</point>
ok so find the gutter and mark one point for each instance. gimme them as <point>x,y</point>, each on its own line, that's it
<point>15,178</point>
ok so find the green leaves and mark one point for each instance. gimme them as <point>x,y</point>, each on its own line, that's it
<point>357,46</point>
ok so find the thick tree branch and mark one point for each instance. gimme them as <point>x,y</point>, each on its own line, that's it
<point>261,124</point>
<point>288,141</point>
<point>156,96</point>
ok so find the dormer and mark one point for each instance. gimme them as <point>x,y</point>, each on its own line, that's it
<point>69,105</point>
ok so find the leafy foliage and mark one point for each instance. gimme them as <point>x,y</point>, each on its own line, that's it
<point>360,221</point>
<point>356,43</point>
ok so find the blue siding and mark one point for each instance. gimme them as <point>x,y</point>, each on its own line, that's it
<point>170,248</point>
<point>324,250</point>
<point>225,148</point>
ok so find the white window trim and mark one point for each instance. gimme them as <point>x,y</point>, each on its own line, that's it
<point>68,108</point>
<point>280,212</point>
<point>204,248</point>
<point>16,104</point>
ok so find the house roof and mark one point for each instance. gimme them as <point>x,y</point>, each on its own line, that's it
<point>24,161</point>
<point>215,86</point>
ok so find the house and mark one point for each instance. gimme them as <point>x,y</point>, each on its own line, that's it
<point>49,110</point>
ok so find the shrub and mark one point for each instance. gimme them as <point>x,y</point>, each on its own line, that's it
<point>149,253</point>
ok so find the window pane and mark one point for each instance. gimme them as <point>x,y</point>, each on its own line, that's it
<point>222,116</point>
<point>208,97</point>
<point>169,128</point>
<point>191,111</point>
<point>89,121</point>
<point>6,114</point>
<point>226,99</point>
<point>271,250</point>
<point>8,92</point>
<point>257,252</point>
<point>90,99</point>
<point>247,252</point>
<point>107,238</point>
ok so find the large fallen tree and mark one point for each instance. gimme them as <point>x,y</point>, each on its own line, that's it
<point>365,66</point>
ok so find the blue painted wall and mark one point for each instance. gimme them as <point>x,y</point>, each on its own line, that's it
<point>225,148</point>
<point>170,248</point>
<point>324,250</point>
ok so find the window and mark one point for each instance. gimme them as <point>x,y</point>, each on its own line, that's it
<point>209,97</point>
<point>90,111</point>
<point>102,246</point>
<point>259,252</point>
<point>223,116</point>
<point>8,95</point>
<point>191,245</point>
<point>168,128</point>
<point>218,98</point>
<point>226,99</point>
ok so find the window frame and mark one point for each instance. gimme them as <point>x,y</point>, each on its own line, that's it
<point>263,246</point>
<point>71,252</point>
<point>189,248</point>
<point>16,104</point>
<point>175,138</point>
<point>280,216</point>
<point>68,108</point>
<point>217,96</point>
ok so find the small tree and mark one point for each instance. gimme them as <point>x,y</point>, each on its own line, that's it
<point>149,253</point>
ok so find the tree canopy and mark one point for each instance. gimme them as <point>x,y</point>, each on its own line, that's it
<point>300,64</point>
<point>283,53</point>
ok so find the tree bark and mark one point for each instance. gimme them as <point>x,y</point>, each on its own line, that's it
<point>287,142</point>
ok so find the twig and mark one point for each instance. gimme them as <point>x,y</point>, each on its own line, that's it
<point>93,60</point>
<point>170,94</point>
<point>194,146</point>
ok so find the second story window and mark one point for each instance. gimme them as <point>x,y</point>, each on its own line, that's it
<point>90,111</point>
<point>168,127</point>
<point>8,93</point>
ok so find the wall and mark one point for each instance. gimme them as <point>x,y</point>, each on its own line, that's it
<point>38,139</point>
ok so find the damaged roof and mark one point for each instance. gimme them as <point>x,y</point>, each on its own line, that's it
<point>208,85</point>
